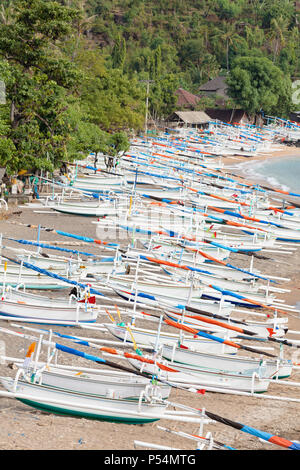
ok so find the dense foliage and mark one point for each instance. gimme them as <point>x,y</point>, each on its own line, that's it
<point>195,34</point>
<point>257,84</point>
<point>76,71</point>
<point>186,43</point>
<point>52,110</point>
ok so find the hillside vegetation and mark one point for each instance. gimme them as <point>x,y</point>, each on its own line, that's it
<point>76,71</point>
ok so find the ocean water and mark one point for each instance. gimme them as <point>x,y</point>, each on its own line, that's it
<point>281,173</point>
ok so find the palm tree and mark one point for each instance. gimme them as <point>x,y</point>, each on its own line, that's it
<point>229,36</point>
<point>6,13</point>
<point>204,31</point>
<point>277,34</point>
<point>254,36</point>
<point>209,67</point>
<point>83,23</point>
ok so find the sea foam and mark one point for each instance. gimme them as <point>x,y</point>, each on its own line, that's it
<point>281,173</point>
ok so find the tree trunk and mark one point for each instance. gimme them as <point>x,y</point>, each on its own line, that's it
<point>227,55</point>
<point>12,112</point>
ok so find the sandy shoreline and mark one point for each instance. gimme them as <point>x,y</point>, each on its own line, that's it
<point>23,427</point>
<point>283,151</point>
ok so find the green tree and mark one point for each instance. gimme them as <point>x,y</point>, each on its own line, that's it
<point>255,83</point>
<point>7,148</point>
<point>255,36</point>
<point>109,99</point>
<point>191,52</point>
<point>115,147</point>
<point>38,80</point>
<point>209,67</point>
<point>274,9</point>
<point>86,136</point>
<point>119,53</point>
<point>229,9</point>
<point>288,59</point>
<point>277,34</point>
<point>6,12</point>
<point>162,98</point>
<point>228,36</point>
<point>157,63</point>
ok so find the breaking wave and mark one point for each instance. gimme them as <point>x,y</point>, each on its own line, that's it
<point>282,173</point>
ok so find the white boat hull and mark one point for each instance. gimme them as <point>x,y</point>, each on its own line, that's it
<point>227,363</point>
<point>60,314</point>
<point>102,384</point>
<point>148,337</point>
<point>203,378</point>
<point>82,405</point>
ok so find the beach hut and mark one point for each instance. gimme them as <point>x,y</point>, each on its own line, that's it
<point>195,119</point>
<point>229,115</point>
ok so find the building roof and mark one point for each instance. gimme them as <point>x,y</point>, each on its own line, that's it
<point>226,115</point>
<point>215,84</point>
<point>190,117</point>
<point>186,99</point>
